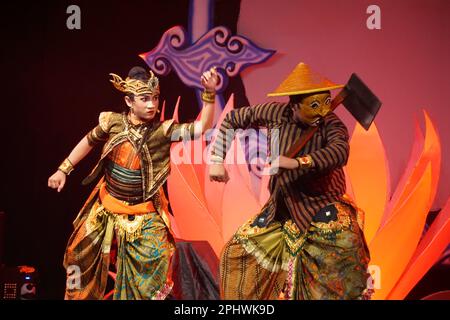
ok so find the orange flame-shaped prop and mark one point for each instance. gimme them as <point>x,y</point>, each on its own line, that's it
<point>211,211</point>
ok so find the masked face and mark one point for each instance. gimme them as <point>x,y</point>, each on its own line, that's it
<point>312,108</point>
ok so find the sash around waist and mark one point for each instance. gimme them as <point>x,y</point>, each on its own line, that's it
<point>121,207</point>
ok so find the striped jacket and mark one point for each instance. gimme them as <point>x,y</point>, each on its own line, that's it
<point>304,191</point>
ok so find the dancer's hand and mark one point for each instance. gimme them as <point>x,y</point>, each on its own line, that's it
<point>57,180</point>
<point>210,79</point>
<point>217,172</point>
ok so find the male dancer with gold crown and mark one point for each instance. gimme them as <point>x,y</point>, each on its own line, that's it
<point>307,242</point>
<point>129,200</point>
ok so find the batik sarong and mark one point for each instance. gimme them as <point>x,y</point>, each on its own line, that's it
<point>329,261</point>
<point>144,250</point>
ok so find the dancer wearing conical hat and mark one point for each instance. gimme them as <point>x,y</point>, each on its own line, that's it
<point>307,241</point>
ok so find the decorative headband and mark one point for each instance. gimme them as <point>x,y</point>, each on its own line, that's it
<point>136,86</point>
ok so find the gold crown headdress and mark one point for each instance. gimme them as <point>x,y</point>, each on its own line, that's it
<point>136,86</point>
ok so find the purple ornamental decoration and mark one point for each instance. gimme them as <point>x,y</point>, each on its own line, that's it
<point>230,54</point>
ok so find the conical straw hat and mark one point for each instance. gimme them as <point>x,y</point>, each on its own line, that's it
<point>302,80</point>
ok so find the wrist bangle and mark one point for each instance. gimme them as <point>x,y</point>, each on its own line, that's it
<point>304,162</point>
<point>209,97</point>
<point>66,166</point>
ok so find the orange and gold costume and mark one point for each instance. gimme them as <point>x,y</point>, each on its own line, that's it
<point>128,202</point>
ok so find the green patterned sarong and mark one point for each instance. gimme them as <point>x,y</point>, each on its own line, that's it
<point>145,248</point>
<point>328,262</point>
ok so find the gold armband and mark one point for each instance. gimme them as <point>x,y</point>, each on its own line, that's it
<point>66,166</point>
<point>209,97</point>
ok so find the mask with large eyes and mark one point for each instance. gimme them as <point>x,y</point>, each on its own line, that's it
<point>311,108</point>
